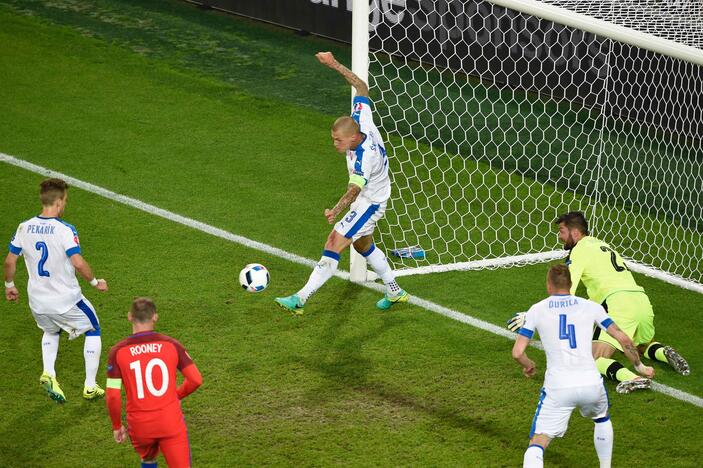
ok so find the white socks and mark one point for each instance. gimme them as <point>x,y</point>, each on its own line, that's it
<point>323,271</point>
<point>603,440</point>
<point>380,265</point>
<point>534,457</point>
<point>49,351</point>
<point>91,353</point>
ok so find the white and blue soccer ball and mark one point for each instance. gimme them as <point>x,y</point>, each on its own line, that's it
<point>254,277</point>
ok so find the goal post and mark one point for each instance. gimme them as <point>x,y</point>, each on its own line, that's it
<point>500,115</point>
<point>358,271</point>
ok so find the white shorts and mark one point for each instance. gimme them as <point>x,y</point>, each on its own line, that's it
<point>555,407</point>
<point>79,319</point>
<point>361,219</point>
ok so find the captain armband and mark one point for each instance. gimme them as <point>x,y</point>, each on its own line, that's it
<point>114,383</point>
<point>357,180</point>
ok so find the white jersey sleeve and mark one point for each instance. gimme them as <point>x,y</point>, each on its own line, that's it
<point>69,240</point>
<point>600,316</point>
<point>528,327</point>
<point>363,115</point>
<point>15,246</point>
<point>368,162</point>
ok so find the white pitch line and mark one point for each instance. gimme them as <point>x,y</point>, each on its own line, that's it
<point>221,233</point>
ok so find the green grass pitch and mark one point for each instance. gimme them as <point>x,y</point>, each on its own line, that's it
<point>226,121</point>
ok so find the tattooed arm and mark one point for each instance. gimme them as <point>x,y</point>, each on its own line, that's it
<point>347,199</point>
<point>630,350</point>
<point>326,58</point>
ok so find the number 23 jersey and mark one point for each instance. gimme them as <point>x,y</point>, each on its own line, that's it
<point>600,268</point>
<point>146,363</point>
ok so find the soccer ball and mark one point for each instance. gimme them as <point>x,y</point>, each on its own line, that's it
<point>254,277</point>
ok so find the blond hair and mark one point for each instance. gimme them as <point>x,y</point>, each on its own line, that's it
<point>346,125</point>
<point>559,277</point>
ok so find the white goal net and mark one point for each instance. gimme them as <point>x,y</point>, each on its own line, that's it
<point>498,121</point>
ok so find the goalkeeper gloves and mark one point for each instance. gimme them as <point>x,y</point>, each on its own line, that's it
<point>516,322</point>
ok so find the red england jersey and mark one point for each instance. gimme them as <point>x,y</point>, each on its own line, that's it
<point>147,363</point>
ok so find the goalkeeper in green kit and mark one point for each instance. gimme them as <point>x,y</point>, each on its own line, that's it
<point>610,283</point>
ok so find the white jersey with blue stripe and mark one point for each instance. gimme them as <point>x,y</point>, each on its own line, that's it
<point>369,160</point>
<point>565,326</point>
<point>47,245</point>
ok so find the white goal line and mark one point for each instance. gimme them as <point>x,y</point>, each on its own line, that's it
<point>632,265</point>
<point>260,246</point>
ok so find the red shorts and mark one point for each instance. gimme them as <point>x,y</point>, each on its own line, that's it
<point>176,448</point>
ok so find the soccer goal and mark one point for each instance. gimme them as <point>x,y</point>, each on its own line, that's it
<point>500,115</point>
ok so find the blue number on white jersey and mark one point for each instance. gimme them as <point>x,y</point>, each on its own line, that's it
<point>567,332</point>
<point>44,255</point>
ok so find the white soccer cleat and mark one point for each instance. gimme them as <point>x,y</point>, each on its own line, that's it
<point>629,386</point>
<point>676,361</point>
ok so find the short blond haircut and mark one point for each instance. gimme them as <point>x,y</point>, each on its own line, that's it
<point>346,125</point>
<point>559,277</point>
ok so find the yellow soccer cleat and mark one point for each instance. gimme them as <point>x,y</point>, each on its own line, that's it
<point>93,393</point>
<point>51,385</point>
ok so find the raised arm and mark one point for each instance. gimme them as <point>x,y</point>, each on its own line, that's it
<point>630,350</point>
<point>326,58</point>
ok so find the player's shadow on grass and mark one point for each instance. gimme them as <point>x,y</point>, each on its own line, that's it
<point>341,360</point>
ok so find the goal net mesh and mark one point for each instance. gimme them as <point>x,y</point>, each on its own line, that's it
<point>497,122</point>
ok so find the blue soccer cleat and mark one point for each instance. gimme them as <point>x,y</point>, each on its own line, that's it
<point>291,303</point>
<point>387,301</point>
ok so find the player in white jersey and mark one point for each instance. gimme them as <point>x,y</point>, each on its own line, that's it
<point>565,326</point>
<point>52,253</point>
<point>367,193</point>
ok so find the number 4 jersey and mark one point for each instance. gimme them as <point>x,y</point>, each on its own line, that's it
<point>146,363</point>
<point>565,326</point>
<point>47,245</point>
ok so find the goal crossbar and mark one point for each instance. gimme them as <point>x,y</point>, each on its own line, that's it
<point>603,28</point>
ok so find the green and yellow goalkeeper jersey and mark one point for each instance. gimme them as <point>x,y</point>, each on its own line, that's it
<point>601,269</point>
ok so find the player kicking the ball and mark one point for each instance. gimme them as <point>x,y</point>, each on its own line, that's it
<point>368,190</point>
<point>565,323</point>
<point>147,362</point>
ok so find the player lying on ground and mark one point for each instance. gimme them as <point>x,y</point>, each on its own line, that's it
<point>367,193</point>
<point>609,283</point>
<point>565,323</point>
<point>147,362</point>
<point>52,254</point>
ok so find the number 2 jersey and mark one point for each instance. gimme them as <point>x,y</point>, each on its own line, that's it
<point>565,326</point>
<point>600,268</point>
<point>146,363</point>
<point>47,245</point>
